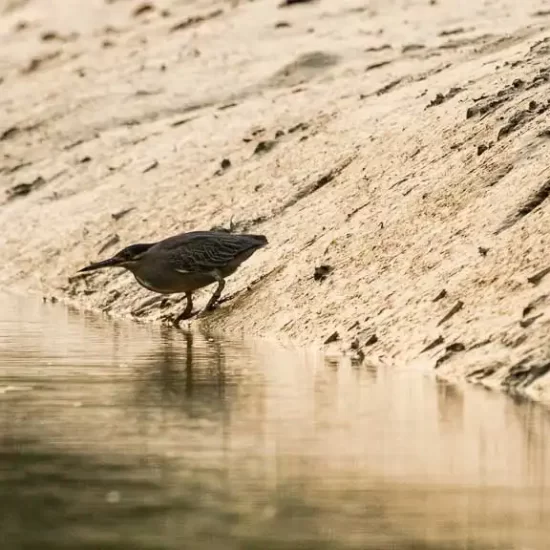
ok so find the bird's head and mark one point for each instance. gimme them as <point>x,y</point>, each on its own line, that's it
<point>127,257</point>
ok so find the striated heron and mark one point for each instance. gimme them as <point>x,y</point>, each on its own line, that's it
<point>186,262</point>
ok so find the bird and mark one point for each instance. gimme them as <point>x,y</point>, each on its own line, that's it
<point>185,262</point>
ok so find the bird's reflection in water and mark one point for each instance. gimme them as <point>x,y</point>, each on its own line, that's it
<point>180,402</point>
<point>177,374</point>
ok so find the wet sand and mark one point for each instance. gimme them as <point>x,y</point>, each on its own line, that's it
<point>403,144</point>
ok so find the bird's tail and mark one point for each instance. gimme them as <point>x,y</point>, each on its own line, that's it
<point>260,239</point>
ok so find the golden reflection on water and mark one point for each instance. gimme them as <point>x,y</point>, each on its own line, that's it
<point>118,435</point>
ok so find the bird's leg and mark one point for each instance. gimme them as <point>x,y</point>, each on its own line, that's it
<point>217,293</point>
<point>186,313</point>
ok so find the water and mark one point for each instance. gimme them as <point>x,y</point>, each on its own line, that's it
<point>121,436</point>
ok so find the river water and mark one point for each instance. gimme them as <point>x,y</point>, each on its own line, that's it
<point>118,436</point>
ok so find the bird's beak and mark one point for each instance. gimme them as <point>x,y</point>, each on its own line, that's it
<point>111,262</point>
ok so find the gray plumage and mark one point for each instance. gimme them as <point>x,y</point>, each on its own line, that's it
<point>186,262</point>
<point>207,250</point>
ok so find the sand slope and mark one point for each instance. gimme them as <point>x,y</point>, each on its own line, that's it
<point>402,143</point>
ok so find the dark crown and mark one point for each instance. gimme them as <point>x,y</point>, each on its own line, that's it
<point>130,252</point>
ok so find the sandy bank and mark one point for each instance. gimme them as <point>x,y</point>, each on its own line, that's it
<point>403,144</point>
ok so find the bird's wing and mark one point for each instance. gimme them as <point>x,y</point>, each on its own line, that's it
<point>207,251</point>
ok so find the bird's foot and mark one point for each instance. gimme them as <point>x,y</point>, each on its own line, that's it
<point>206,311</point>
<point>175,320</point>
<point>167,319</point>
<point>225,299</point>
<point>212,307</point>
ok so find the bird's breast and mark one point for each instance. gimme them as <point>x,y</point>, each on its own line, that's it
<point>150,285</point>
<point>170,281</point>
